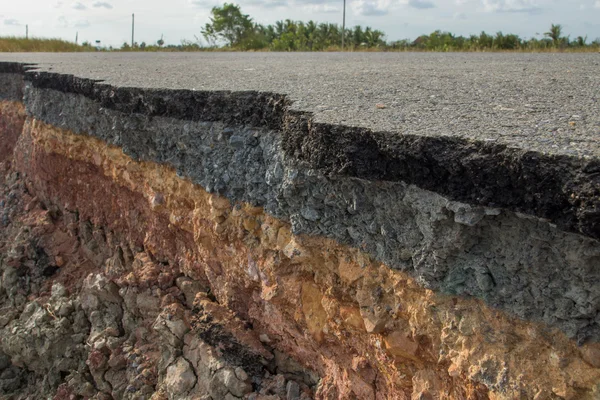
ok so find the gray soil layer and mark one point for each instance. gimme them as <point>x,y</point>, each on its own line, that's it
<point>12,86</point>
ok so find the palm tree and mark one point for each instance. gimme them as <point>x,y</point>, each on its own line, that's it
<point>279,28</point>
<point>554,34</point>
<point>290,26</point>
<point>311,29</point>
<point>269,32</point>
<point>357,36</point>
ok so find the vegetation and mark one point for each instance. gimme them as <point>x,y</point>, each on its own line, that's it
<point>20,44</point>
<point>228,24</point>
<point>230,29</point>
<point>446,41</point>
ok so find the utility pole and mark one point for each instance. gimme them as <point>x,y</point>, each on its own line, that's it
<point>344,25</point>
<point>26,31</point>
<point>132,28</point>
<point>76,37</point>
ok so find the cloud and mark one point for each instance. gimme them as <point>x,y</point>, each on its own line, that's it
<point>81,23</point>
<point>317,1</point>
<point>209,4</point>
<point>203,3</point>
<point>58,4</point>
<point>12,22</point>
<point>421,4</point>
<point>326,6</point>
<point>79,6</point>
<point>322,8</point>
<point>527,6</point>
<point>63,22</point>
<point>371,8</point>
<point>266,3</point>
<point>597,4</point>
<point>102,4</point>
<point>460,16</point>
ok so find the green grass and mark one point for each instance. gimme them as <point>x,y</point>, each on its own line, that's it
<point>20,44</point>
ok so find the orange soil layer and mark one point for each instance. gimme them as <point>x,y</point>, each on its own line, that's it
<point>12,116</point>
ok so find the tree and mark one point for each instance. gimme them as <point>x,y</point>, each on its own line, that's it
<point>229,24</point>
<point>581,41</point>
<point>554,33</point>
<point>160,41</point>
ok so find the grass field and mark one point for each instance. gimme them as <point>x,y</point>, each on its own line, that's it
<point>20,44</point>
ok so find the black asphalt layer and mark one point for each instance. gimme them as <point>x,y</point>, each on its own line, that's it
<point>520,131</point>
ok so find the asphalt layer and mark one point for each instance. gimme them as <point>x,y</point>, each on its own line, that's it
<point>548,103</point>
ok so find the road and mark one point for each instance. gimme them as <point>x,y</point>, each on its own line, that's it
<point>548,103</point>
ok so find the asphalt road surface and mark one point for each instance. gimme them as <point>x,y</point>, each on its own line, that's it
<point>548,103</point>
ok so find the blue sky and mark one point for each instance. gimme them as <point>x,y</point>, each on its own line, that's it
<point>110,20</point>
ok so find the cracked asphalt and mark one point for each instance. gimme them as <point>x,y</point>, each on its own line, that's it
<point>548,103</point>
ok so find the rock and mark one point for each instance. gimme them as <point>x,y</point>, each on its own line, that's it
<point>591,354</point>
<point>398,345</point>
<point>58,290</point>
<point>4,361</point>
<point>190,288</point>
<point>263,337</point>
<point>241,374</point>
<point>466,214</point>
<point>351,316</point>
<point>374,320</point>
<point>171,327</point>
<point>148,304</point>
<point>99,286</point>
<point>235,385</point>
<point>117,362</point>
<point>314,313</point>
<point>296,252</point>
<point>157,201</point>
<point>292,391</point>
<point>219,202</point>
<point>310,214</point>
<point>237,142</point>
<point>180,378</point>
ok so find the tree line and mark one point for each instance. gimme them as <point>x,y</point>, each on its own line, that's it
<point>230,28</point>
<point>446,41</point>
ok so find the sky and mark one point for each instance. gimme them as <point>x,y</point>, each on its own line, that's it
<point>110,20</point>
